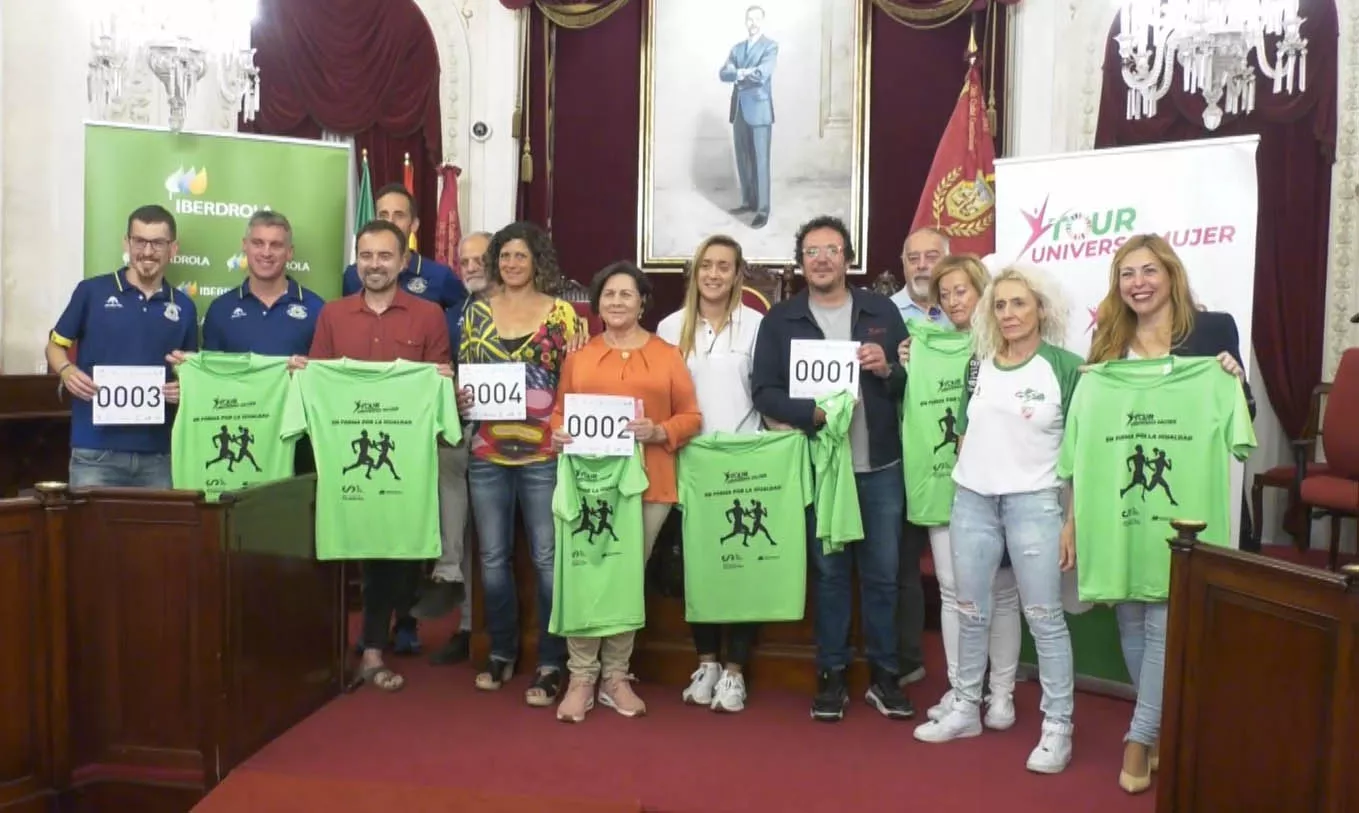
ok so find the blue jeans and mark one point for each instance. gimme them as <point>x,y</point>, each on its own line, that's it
<point>1030,526</point>
<point>1142,633</point>
<point>494,490</point>
<point>104,468</point>
<point>882,497</point>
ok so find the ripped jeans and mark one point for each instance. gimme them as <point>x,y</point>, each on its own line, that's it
<point>1030,526</point>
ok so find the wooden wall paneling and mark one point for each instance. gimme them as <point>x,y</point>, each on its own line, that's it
<point>35,432</point>
<point>27,784</point>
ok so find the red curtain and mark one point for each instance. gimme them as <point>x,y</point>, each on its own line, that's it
<point>1297,149</point>
<point>593,198</point>
<point>366,68</point>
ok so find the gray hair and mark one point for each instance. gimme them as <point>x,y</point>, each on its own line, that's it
<point>485,235</point>
<point>1052,310</point>
<point>930,230</point>
<point>268,217</point>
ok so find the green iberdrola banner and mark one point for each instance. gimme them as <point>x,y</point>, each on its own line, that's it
<point>213,183</point>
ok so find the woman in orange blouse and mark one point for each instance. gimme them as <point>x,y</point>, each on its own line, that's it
<point>627,360</point>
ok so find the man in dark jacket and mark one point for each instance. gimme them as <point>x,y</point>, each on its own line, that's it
<point>829,310</point>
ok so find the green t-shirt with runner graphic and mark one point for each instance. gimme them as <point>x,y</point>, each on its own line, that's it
<point>836,493</point>
<point>598,576</point>
<point>930,418</point>
<point>1148,441</point>
<point>743,499</point>
<point>226,435</point>
<point>374,429</point>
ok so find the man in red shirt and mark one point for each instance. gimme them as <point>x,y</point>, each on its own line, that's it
<point>382,323</point>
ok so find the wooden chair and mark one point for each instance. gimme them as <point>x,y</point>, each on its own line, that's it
<point>885,283</point>
<point>1336,491</point>
<point>1289,477</point>
<point>579,296</point>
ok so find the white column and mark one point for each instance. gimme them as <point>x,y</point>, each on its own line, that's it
<point>44,56</point>
<point>492,169</point>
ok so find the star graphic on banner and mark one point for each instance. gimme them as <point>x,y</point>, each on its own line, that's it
<point>1093,312</point>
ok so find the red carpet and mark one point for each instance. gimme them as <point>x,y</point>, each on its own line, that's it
<point>440,745</point>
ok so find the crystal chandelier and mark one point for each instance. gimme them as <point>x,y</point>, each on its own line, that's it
<point>1212,40</point>
<point>176,40</point>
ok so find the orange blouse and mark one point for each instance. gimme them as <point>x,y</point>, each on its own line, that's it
<point>655,373</point>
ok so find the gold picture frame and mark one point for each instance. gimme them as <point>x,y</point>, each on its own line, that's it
<point>704,102</point>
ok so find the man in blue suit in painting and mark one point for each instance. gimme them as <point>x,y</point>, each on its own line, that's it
<point>750,69</point>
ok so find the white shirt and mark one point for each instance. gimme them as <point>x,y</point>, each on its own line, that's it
<point>720,365</point>
<point>1016,418</point>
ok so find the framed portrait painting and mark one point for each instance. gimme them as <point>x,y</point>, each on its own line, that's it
<point>752,123</point>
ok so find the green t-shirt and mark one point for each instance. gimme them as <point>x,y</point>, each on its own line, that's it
<point>837,495</point>
<point>373,428</point>
<point>743,499</point>
<point>930,419</point>
<point>226,435</point>
<point>598,576</point>
<point>1148,441</point>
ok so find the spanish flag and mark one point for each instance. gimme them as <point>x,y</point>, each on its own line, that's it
<point>959,198</point>
<point>408,179</point>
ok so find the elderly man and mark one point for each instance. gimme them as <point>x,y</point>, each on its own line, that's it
<point>922,249</point>
<point>445,588</point>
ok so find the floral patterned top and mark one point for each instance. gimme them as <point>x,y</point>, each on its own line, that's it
<point>519,443</point>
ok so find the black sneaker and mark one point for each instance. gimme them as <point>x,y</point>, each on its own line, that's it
<point>831,696</point>
<point>886,696</point>
<point>457,650</point>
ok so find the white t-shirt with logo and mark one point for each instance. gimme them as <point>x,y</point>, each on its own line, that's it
<point>720,366</point>
<point>1013,419</point>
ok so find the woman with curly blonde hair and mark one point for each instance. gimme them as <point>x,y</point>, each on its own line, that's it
<point>1010,425</point>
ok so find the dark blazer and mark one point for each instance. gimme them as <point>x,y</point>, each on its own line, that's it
<point>1215,333</point>
<point>874,319</point>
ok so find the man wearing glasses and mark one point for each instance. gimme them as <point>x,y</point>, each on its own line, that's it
<point>830,310</point>
<point>129,318</point>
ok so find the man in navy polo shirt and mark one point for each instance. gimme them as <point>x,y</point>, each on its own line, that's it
<point>131,317</point>
<point>270,313</point>
<point>428,279</point>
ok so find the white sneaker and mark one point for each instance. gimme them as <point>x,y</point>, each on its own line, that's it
<point>961,721</point>
<point>938,710</point>
<point>1053,753</point>
<point>730,695</point>
<point>701,683</point>
<point>1000,712</point>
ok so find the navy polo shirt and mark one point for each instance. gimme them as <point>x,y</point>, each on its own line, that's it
<point>238,322</point>
<point>423,277</point>
<point>116,324</point>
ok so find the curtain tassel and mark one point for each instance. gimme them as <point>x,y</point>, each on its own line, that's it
<point>526,164</point>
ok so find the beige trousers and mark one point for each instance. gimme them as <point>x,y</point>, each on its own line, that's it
<point>587,657</point>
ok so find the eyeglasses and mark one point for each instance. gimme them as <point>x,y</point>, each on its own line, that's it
<point>812,252</point>
<point>141,243</point>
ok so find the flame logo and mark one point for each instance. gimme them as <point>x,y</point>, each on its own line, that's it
<point>192,181</point>
<point>237,263</point>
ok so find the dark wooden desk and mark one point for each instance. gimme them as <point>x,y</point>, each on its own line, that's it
<point>35,432</point>
<point>1261,703</point>
<point>153,641</point>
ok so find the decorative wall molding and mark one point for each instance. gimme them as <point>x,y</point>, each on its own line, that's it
<point>1341,271</point>
<point>1091,24</point>
<point>448,23</point>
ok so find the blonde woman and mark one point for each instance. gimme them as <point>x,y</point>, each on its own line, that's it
<point>715,334</point>
<point>1150,312</point>
<point>1008,498</point>
<point>956,283</point>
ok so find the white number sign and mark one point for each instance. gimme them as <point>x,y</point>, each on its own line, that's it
<point>497,391</point>
<point>129,395</point>
<point>598,424</point>
<point>817,368</point>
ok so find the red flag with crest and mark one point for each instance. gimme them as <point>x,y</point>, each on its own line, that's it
<point>448,227</point>
<point>959,198</point>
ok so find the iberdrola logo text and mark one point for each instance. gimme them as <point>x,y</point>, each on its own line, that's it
<point>186,188</point>
<point>1078,235</point>
<point>238,264</point>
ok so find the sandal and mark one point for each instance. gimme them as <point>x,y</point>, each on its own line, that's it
<point>495,674</point>
<point>546,687</point>
<point>380,677</point>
